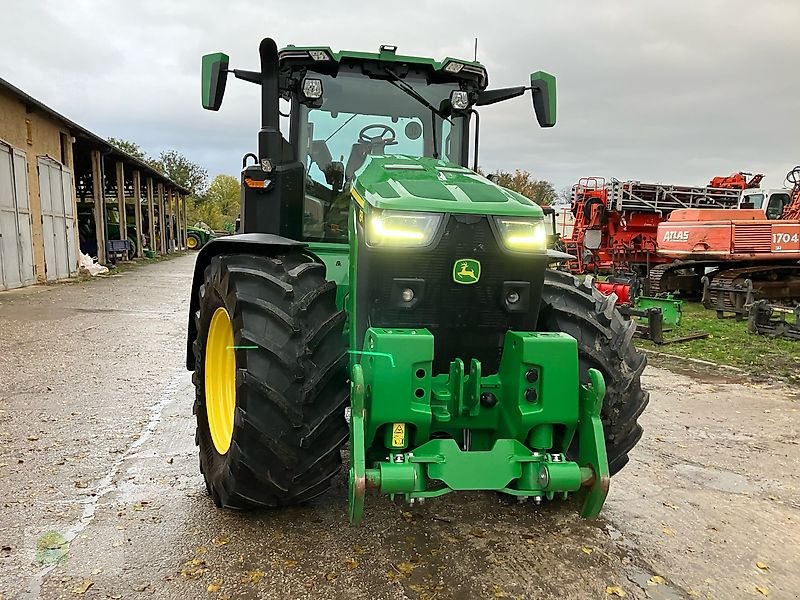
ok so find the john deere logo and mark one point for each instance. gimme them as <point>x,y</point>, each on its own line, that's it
<point>466,271</point>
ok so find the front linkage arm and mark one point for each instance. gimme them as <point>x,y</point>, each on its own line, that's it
<point>515,429</point>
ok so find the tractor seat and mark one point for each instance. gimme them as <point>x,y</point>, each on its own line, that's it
<point>358,154</point>
<point>320,153</point>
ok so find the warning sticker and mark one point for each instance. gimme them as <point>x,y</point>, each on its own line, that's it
<point>398,435</point>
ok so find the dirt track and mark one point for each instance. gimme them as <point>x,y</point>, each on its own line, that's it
<point>97,448</point>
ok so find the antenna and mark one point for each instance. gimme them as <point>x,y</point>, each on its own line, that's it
<point>476,50</point>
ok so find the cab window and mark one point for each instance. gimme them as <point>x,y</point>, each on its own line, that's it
<point>359,116</point>
<point>776,204</point>
<point>755,199</point>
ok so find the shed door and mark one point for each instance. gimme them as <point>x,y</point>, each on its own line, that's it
<point>16,245</point>
<point>58,219</point>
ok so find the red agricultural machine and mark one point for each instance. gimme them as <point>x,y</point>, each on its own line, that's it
<point>616,222</point>
<point>737,181</point>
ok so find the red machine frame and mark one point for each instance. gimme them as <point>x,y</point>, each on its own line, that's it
<point>616,222</point>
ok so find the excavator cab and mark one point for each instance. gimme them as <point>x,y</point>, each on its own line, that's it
<point>772,202</point>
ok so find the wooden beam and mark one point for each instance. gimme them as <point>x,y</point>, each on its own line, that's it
<point>185,220</point>
<point>170,228</point>
<point>181,224</point>
<point>137,210</point>
<point>177,212</point>
<point>99,197</point>
<point>151,216</point>
<point>178,225</point>
<point>180,219</point>
<point>161,221</point>
<point>123,216</point>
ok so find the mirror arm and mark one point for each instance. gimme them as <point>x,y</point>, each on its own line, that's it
<point>487,97</point>
<point>251,76</point>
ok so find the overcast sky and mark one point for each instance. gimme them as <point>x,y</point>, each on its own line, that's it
<point>672,92</point>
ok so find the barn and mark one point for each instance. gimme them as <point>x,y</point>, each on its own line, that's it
<point>64,189</point>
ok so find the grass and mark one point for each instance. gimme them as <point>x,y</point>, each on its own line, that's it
<point>729,343</point>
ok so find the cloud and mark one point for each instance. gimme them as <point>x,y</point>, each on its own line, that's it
<point>674,92</point>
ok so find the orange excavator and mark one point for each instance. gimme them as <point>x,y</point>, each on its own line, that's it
<point>734,256</point>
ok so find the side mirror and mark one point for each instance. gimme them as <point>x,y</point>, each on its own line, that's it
<point>215,75</point>
<point>543,91</point>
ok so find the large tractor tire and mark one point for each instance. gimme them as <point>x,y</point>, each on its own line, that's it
<point>604,343</point>
<point>134,246</point>
<point>193,241</point>
<point>271,380</point>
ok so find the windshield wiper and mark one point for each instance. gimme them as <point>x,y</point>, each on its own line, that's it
<point>341,127</point>
<point>435,112</point>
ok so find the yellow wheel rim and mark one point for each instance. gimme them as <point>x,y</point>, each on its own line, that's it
<point>191,242</point>
<point>220,380</point>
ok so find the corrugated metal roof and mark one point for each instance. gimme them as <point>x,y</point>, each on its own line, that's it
<point>81,132</point>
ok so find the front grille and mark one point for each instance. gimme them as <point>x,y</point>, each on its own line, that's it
<point>752,237</point>
<point>469,321</point>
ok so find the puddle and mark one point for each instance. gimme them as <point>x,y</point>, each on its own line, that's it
<point>647,581</point>
<point>722,481</point>
<point>653,584</point>
<point>703,373</point>
<point>129,312</point>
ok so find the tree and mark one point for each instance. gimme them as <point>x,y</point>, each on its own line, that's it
<point>131,148</point>
<point>207,212</point>
<point>219,205</point>
<point>182,171</point>
<point>224,191</point>
<point>540,191</point>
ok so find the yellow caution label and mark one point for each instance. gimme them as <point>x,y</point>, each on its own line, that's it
<point>357,197</point>
<point>398,435</point>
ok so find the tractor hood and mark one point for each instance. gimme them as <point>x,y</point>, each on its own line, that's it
<point>397,182</point>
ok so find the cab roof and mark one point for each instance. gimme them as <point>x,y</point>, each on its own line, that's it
<point>323,59</point>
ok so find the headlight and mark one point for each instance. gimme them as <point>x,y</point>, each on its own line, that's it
<point>405,229</point>
<point>522,234</point>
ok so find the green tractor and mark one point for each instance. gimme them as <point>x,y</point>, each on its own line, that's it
<point>377,276</point>
<point>198,235</point>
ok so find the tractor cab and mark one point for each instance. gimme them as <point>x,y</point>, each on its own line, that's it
<point>371,106</point>
<point>344,107</point>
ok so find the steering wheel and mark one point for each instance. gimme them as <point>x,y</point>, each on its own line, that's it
<point>380,138</point>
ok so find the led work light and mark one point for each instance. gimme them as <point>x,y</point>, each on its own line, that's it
<point>459,99</point>
<point>312,88</point>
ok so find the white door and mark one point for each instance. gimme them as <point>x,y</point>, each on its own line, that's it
<point>58,219</point>
<point>16,245</point>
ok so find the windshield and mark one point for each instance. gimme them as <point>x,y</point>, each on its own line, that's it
<point>360,117</point>
<point>755,199</point>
